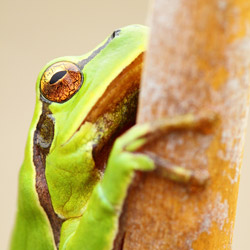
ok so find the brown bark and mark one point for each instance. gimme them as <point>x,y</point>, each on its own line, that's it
<point>198,59</point>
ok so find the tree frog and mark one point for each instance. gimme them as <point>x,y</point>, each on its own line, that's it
<point>82,147</point>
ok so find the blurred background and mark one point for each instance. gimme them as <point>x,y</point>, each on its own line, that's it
<point>32,33</point>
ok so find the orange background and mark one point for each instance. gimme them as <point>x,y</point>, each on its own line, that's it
<point>31,34</point>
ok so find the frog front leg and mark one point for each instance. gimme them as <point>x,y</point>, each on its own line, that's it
<point>99,223</point>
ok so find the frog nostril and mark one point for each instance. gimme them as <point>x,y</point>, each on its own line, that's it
<point>57,76</point>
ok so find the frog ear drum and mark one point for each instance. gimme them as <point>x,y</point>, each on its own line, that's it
<point>61,81</point>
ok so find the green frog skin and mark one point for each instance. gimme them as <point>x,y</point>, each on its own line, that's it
<point>83,147</point>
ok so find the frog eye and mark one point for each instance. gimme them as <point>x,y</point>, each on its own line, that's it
<point>61,81</point>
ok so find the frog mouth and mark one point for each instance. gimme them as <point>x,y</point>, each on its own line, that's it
<point>115,111</point>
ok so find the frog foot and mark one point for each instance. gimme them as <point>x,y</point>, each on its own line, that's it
<point>132,142</point>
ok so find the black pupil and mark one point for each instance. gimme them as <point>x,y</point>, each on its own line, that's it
<point>57,76</point>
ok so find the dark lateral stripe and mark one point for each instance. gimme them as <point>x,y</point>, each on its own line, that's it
<point>43,137</point>
<point>82,63</point>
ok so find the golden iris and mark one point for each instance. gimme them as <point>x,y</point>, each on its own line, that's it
<point>61,81</point>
